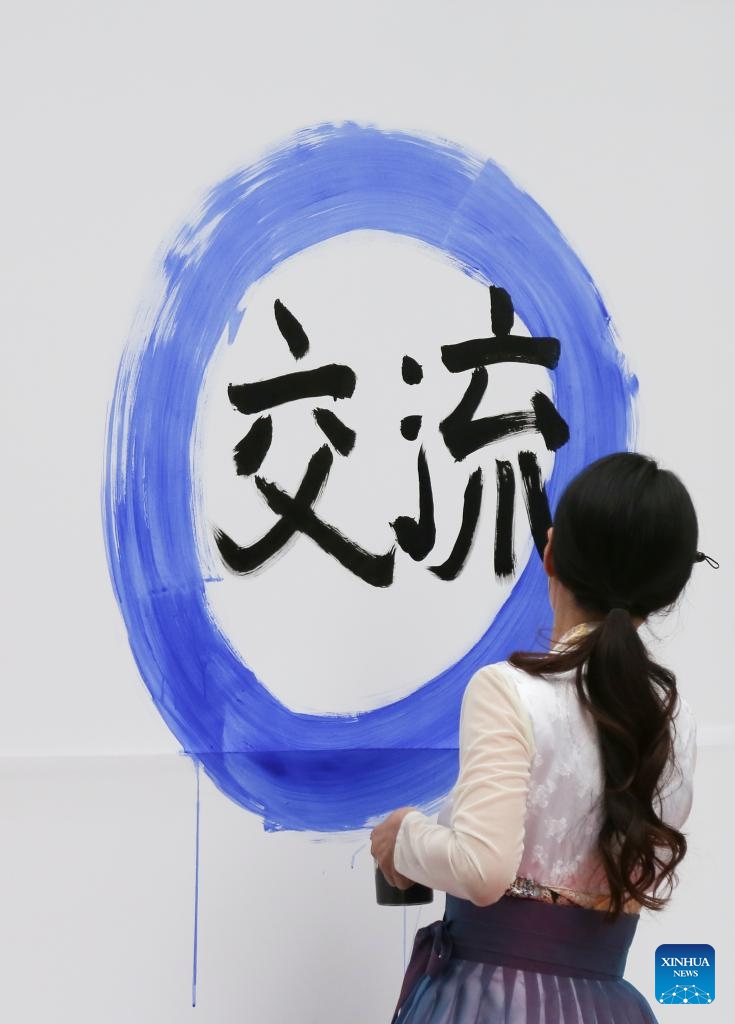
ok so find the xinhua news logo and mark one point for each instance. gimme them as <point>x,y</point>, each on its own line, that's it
<point>685,974</point>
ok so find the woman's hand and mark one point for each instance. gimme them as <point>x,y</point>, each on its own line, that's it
<point>383,844</point>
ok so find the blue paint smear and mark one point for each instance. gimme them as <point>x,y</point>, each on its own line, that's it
<point>327,772</point>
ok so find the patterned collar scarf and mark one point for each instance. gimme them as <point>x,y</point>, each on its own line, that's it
<point>572,635</point>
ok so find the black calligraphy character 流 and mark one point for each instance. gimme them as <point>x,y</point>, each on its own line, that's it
<point>464,435</point>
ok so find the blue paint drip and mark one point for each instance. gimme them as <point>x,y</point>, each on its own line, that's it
<point>196,900</point>
<point>301,771</point>
<point>355,855</point>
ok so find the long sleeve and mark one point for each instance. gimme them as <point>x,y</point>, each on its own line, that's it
<point>476,856</point>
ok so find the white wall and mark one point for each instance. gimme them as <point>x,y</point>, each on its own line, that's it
<point>616,119</point>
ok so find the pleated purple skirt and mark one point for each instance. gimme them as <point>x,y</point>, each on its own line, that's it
<point>521,961</point>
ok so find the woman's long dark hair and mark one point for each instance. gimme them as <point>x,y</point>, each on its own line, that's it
<point>624,543</point>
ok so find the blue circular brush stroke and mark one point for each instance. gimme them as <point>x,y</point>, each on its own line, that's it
<point>327,772</point>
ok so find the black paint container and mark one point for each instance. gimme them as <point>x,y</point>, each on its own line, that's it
<point>388,896</point>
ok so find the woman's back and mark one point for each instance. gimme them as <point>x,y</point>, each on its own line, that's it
<point>556,836</point>
<point>564,807</point>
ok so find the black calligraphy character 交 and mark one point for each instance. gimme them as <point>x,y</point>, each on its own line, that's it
<point>296,512</point>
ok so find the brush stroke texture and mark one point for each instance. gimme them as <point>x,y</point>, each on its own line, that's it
<point>504,347</point>
<point>302,771</point>
<point>411,370</point>
<point>377,570</point>
<point>245,559</point>
<point>504,559</point>
<point>291,330</point>
<point>471,505</point>
<point>416,536</point>
<point>536,499</point>
<point>410,427</point>
<point>464,435</point>
<point>253,448</point>
<point>341,436</point>
<point>325,381</point>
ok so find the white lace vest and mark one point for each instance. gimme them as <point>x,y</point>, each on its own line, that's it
<point>563,814</point>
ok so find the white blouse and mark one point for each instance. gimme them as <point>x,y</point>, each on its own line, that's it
<point>527,802</point>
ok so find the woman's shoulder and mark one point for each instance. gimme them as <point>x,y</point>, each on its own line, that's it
<point>492,701</point>
<point>503,673</point>
<point>522,688</point>
<point>500,676</point>
<point>543,702</point>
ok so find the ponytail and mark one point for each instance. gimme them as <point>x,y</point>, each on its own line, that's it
<point>631,700</point>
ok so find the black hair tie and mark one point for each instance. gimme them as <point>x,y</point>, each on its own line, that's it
<point>701,557</point>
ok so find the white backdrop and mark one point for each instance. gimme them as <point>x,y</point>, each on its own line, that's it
<point>116,120</point>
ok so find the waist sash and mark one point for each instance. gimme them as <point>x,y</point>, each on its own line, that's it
<point>525,934</point>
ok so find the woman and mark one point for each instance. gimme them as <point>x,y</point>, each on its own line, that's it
<point>575,779</point>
